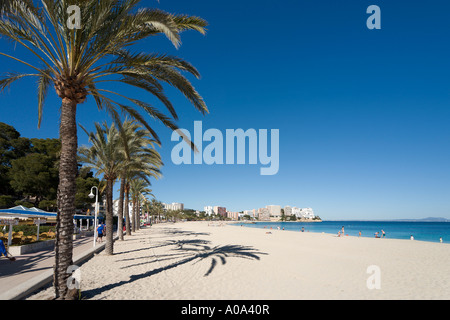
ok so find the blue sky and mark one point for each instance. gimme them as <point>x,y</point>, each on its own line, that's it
<point>362,114</point>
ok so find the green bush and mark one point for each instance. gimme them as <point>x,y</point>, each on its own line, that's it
<point>31,230</point>
<point>6,201</point>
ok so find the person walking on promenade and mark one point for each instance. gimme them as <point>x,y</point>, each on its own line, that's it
<point>100,230</point>
<point>4,252</point>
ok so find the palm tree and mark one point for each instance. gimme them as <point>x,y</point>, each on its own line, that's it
<point>105,158</point>
<point>146,203</point>
<point>130,173</point>
<point>142,160</point>
<point>157,208</point>
<point>76,61</point>
<point>139,188</point>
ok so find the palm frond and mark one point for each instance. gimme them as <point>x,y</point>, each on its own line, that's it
<point>44,81</point>
<point>11,77</point>
<point>185,22</point>
<point>77,61</point>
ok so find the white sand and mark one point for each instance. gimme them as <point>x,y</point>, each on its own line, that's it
<point>193,260</point>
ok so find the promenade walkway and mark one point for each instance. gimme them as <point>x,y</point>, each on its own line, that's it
<point>34,270</point>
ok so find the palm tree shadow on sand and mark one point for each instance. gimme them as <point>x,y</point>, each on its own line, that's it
<point>195,252</point>
<point>171,232</point>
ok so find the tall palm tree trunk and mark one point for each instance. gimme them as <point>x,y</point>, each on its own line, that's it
<point>120,209</point>
<point>109,218</point>
<point>127,211</point>
<point>138,214</point>
<point>66,198</point>
<point>134,215</point>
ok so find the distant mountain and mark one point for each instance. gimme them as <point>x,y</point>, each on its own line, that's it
<point>435,219</point>
<point>429,219</point>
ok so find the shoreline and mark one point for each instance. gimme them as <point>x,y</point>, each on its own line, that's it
<point>434,240</point>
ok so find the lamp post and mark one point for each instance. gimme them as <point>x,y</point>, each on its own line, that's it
<point>91,195</point>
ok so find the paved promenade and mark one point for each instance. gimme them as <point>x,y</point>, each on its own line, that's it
<point>33,270</point>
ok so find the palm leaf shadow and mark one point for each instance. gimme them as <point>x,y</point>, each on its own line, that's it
<point>198,251</point>
<point>223,252</point>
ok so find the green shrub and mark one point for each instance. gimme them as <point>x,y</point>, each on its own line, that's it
<point>31,230</point>
<point>6,201</point>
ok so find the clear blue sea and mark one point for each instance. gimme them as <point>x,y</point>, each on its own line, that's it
<point>423,231</point>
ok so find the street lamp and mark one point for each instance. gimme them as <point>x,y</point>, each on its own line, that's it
<point>91,195</point>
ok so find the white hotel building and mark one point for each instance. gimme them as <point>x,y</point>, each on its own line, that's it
<point>305,213</point>
<point>173,206</point>
<point>209,210</point>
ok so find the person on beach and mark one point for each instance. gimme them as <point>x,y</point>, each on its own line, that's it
<point>4,252</point>
<point>359,234</point>
<point>383,233</point>
<point>100,230</point>
<point>377,234</point>
<point>411,238</point>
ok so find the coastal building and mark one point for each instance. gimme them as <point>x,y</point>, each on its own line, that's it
<point>287,211</point>
<point>274,210</point>
<point>296,212</point>
<point>233,215</point>
<point>174,206</point>
<point>308,213</point>
<point>252,213</point>
<point>215,210</point>
<point>222,211</point>
<point>116,207</point>
<point>263,214</point>
<point>209,210</point>
<point>303,213</point>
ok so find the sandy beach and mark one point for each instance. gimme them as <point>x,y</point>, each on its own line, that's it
<point>198,260</point>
